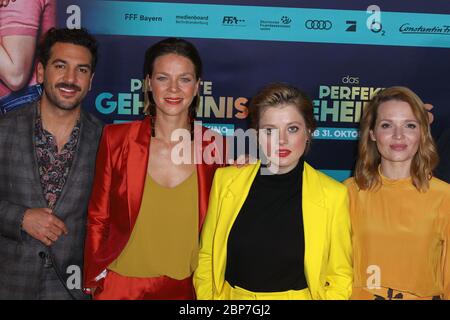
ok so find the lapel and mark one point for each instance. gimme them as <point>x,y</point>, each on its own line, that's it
<point>314,224</point>
<point>203,172</point>
<point>25,128</point>
<point>230,203</point>
<point>86,141</point>
<point>137,160</point>
<point>205,165</point>
<point>314,219</point>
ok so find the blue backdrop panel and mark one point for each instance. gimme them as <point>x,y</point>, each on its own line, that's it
<point>339,54</point>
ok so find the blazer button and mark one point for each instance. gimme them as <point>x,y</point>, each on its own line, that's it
<point>42,255</point>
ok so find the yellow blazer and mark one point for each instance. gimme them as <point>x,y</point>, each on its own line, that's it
<point>328,249</point>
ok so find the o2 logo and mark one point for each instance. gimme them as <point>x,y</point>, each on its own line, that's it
<point>373,22</point>
<point>350,80</point>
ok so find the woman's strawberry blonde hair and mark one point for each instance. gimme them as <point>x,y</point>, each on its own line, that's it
<point>369,158</point>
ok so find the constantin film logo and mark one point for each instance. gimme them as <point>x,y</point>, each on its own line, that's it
<point>408,28</point>
<point>233,21</point>
<point>323,25</point>
<point>192,19</point>
<point>283,23</point>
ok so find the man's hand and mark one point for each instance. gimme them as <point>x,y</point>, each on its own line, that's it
<point>42,225</point>
<point>4,3</point>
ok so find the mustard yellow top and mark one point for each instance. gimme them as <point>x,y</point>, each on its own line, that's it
<point>164,240</point>
<point>400,237</point>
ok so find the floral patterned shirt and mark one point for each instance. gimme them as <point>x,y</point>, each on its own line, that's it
<point>53,167</point>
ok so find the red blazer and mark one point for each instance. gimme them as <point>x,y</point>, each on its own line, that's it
<point>121,168</point>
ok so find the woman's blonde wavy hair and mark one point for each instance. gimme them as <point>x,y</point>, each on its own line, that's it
<point>369,158</point>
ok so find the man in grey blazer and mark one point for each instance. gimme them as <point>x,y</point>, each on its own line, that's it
<point>47,160</point>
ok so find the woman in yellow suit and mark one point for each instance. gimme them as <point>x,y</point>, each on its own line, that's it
<point>279,231</point>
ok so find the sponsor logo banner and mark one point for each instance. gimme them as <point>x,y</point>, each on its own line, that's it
<point>373,27</point>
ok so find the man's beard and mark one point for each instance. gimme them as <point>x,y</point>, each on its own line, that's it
<point>58,102</point>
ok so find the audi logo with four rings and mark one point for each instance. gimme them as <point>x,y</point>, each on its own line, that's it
<point>318,24</point>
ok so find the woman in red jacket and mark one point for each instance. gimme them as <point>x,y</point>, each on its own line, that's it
<point>149,199</point>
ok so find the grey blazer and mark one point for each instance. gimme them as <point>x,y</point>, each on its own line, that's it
<point>20,188</point>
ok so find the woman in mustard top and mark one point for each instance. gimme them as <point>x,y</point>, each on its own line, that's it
<point>400,213</point>
<point>147,207</point>
<point>280,231</point>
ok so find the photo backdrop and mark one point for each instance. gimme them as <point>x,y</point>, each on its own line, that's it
<point>339,53</point>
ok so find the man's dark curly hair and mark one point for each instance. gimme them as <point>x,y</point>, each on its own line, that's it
<point>79,37</point>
